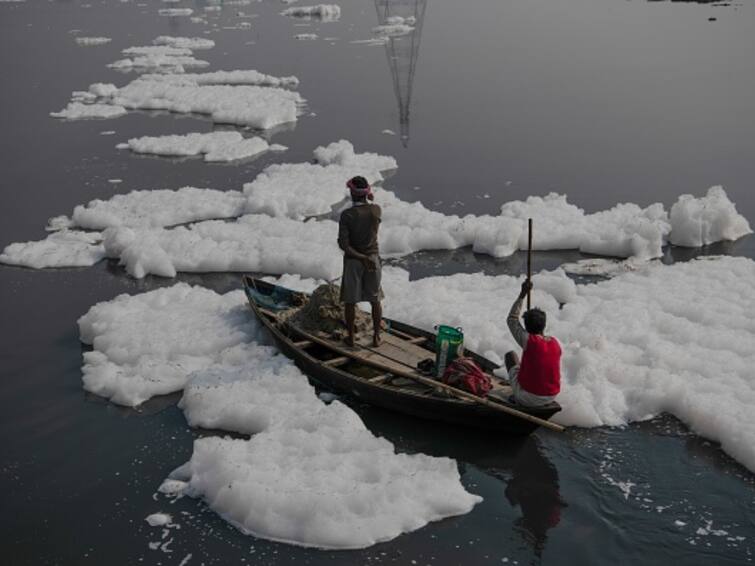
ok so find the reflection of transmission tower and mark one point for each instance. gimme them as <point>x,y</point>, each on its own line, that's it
<point>402,53</point>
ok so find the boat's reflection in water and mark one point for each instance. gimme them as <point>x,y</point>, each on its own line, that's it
<point>528,479</point>
<point>534,488</point>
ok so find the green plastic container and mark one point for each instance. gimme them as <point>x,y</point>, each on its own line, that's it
<point>449,345</point>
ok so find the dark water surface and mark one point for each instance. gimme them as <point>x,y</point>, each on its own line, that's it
<point>606,101</point>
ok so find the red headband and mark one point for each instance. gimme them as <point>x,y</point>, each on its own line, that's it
<point>357,192</point>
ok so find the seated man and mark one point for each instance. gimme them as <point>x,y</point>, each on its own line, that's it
<point>537,380</point>
<point>358,238</point>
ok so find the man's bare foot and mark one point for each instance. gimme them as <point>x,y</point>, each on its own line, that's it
<point>349,341</point>
<point>376,339</point>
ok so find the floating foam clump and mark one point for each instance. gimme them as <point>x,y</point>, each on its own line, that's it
<point>148,344</point>
<point>175,11</point>
<point>701,221</point>
<point>393,30</point>
<point>236,77</point>
<point>321,479</point>
<point>158,208</point>
<point>67,248</point>
<point>323,12</point>
<point>312,475</point>
<point>80,111</point>
<point>298,190</point>
<point>157,56</point>
<point>193,43</point>
<point>90,41</point>
<point>232,97</point>
<point>244,105</point>
<point>677,339</point>
<point>247,399</point>
<point>252,243</point>
<point>215,146</point>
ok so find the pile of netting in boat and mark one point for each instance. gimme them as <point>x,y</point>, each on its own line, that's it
<point>324,312</point>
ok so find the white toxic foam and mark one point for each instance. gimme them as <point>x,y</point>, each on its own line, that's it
<point>601,267</point>
<point>193,43</point>
<point>175,11</point>
<point>80,111</point>
<point>701,221</point>
<point>215,146</point>
<point>157,56</point>
<point>298,190</point>
<point>247,399</point>
<point>148,344</point>
<point>243,105</point>
<point>252,243</point>
<point>236,77</point>
<point>167,50</point>
<point>156,208</point>
<point>312,475</point>
<point>159,519</point>
<point>277,244</point>
<point>677,339</point>
<point>323,12</point>
<point>393,30</point>
<point>321,479</point>
<point>90,41</point>
<point>66,248</point>
<point>232,97</point>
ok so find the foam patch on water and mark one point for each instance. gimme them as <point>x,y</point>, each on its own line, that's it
<point>601,267</point>
<point>677,339</point>
<point>245,399</point>
<point>237,77</point>
<point>321,479</point>
<point>91,41</point>
<point>312,475</point>
<point>701,221</point>
<point>81,111</point>
<point>66,248</point>
<point>322,12</point>
<point>393,30</point>
<point>230,97</point>
<point>193,43</point>
<point>147,345</point>
<point>175,11</point>
<point>284,194</point>
<point>254,106</point>
<point>214,146</point>
<point>156,208</point>
<point>278,245</point>
<point>254,242</point>
<point>299,190</point>
<point>143,58</point>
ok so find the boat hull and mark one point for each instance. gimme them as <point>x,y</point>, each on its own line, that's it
<point>446,409</point>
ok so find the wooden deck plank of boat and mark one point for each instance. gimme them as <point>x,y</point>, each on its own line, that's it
<point>394,353</point>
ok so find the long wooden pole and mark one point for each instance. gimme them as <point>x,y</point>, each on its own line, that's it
<point>429,382</point>
<point>529,258</point>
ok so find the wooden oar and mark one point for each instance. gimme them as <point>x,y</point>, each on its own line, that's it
<point>427,381</point>
<point>529,258</point>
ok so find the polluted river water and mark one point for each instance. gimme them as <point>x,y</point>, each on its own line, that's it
<point>481,104</point>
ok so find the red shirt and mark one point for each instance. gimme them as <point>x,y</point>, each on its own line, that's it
<point>540,370</point>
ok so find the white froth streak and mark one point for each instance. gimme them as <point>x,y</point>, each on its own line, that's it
<point>677,339</point>
<point>312,474</point>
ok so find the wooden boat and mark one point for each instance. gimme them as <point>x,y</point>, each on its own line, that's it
<point>387,376</point>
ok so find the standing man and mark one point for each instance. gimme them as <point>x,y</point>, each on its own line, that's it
<point>537,380</point>
<point>358,238</point>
